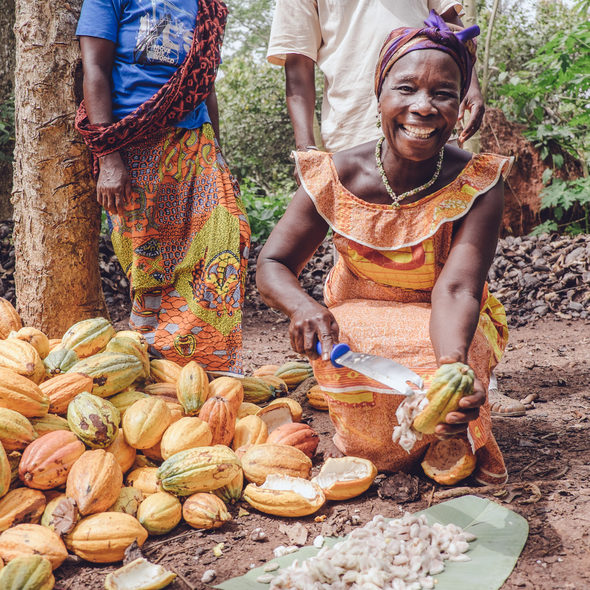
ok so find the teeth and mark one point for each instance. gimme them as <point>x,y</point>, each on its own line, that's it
<point>421,132</point>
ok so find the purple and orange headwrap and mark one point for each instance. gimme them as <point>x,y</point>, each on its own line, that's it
<point>435,35</point>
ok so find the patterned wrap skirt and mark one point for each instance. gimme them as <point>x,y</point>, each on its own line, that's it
<point>183,243</point>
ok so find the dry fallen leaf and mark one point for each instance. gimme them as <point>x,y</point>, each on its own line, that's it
<point>296,533</point>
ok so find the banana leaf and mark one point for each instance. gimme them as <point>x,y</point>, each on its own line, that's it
<point>501,535</point>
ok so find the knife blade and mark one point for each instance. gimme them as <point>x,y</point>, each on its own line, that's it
<point>395,375</point>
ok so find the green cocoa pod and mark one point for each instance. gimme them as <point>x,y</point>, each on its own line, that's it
<point>450,383</point>
<point>95,421</point>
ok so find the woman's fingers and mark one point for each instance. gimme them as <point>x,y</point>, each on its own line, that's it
<point>467,411</point>
<point>312,325</point>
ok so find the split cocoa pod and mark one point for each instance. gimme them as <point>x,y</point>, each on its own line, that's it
<point>342,478</point>
<point>448,461</point>
<point>283,495</point>
<point>449,384</point>
<point>262,460</point>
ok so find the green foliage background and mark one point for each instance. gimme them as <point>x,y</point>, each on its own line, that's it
<point>540,76</point>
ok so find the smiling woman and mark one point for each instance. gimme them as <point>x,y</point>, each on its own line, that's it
<point>415,224</point>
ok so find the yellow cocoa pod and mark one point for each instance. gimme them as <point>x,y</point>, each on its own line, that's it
<point>21,505</point>
<point>250,430</point>
<point>35,338</point>
<point>316,398</point>
<point>187,433</point>
<point>16,432</point>
<point>164,371</point>
<point>94,481</point>
<point>104,537</point>
<point>128,501</point>
<point>247,409</point>
<point>22,358</point>
<point>159,513</point>
<point>145,421</point>
<point>63,388</point>
<point>144,479</point>
<point>205,511</point>
<point>9,319</point>
<point>88,337</point>
<point>192,388</point>
<point>22,395</point>
<point>265,370</point>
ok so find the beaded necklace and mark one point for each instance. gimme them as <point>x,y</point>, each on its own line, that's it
<point>395,199</point>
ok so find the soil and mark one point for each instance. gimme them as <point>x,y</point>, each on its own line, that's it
<point>525,181</point>
<point>546,453</point>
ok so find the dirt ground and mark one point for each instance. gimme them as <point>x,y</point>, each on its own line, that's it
<point>546,454</point>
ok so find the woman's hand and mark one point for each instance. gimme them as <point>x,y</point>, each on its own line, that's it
<point>473,102</point>
<point>457,421</point>
<point>310,322</point>
<point>113,189</point>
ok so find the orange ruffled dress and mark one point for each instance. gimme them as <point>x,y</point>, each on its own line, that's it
<point>379,291</point>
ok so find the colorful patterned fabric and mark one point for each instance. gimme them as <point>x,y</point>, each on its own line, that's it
<point>436,35</point>
<point>183,243</point>
<point>189,86</point>
<point>379,292</point>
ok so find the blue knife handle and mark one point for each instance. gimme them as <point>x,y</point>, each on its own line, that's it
<point>336,353</point>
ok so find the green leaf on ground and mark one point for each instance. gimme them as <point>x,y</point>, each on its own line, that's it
<point>501,535</point>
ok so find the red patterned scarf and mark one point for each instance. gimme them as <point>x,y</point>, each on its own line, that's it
<point>189,86</point>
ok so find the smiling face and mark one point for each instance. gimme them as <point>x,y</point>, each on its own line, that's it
<point>419,103</point>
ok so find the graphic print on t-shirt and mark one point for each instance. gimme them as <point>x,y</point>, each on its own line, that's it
<point>162,39</point>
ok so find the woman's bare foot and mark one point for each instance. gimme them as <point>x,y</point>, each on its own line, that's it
<point>332,450</point>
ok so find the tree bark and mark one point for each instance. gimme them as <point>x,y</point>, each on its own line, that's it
<point>57,218</point>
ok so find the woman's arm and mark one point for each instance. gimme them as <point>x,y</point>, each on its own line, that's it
<point>473,101</point>
<point>213,110</point>
<point>291,244</point>
<point>113,188</point>
<point>456,297</point>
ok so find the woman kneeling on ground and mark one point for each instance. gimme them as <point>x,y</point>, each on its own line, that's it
<point>415,223</point>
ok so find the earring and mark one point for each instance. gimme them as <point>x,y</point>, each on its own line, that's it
<point>379,121</point>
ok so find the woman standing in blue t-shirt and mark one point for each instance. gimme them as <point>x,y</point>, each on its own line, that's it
<point>178,225</point>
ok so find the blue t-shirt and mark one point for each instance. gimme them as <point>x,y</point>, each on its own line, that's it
<point>152,38</point>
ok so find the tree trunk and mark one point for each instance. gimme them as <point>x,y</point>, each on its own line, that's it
<point>57,219</point>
